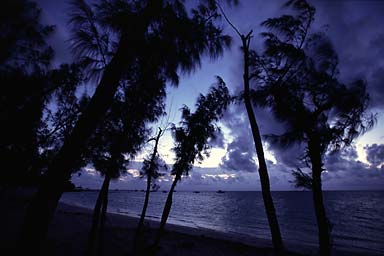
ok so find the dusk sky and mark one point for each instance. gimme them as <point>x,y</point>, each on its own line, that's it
<point>355,28</point>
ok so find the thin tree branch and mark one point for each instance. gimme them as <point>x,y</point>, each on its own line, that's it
<point>228,21</point>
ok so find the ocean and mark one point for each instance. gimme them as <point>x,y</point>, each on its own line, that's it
<point>357,217</point>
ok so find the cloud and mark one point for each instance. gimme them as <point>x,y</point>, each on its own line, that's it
<point>376,86</point>
<point>240,151</point>
<point>291,156</point>
<point>218,141</point>
<point>375,154</point>
<point>358,41</point>
<point>344,171</point>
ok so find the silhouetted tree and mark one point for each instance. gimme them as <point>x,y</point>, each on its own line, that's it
<point>108,146</point>
<point>150,169</point>
<point>157,28</point>
<point>22,105</point>
<point>59,120</point>
<point>302,179</point>
<point>24,61</point>
<point>297,78</point>
<point>248,54</point>
<point>30,87</point>
<point>191,138</point>
<point>122,134</point>
<point>23,43</point>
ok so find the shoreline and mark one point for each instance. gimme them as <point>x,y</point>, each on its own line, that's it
<point>188,237</point>
<point>185,240</point>
<point>69,229</point>
<point>68,233</point>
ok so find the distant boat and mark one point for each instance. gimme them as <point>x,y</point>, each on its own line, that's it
<point>196,192</point>
<point>219,191</point>
<point>164,191</point>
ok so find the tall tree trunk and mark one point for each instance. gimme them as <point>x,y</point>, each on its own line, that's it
<point>96,219</point>
<point>321,216</point>
<point>140,226</point>
<point>166,211</point>
<point>100,240</point>
<point>263,172</point>
<point>41,210</point>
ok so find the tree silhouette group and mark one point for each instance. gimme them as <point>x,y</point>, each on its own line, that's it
<point>130,51</point>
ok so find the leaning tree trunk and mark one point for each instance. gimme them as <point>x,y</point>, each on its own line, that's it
<point>166,211</point>
<point>100,240</point>
<point>263,172</point>
<point>96,218</point>
<point>140,226</point>
<point>321,216</point>
<point>42,208</point>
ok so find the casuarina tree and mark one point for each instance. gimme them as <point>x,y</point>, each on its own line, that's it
<point>248,77</point>
<point>298,80</point>
<point>155,27</point>
<point>151,167</point>
<point>25,57</point>
<point>191,139</point>
<point>31,128</point>
<point>121,135</point>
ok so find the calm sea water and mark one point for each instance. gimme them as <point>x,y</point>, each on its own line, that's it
<point>356,216</point>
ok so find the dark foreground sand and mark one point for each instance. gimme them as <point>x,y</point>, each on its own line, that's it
<point>69,231</point>
<point>73,222</point>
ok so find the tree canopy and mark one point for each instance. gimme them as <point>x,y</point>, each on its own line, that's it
<point>296,76</point>
<point>196,128</point>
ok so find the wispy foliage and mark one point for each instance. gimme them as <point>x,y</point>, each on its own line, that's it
<point>153,167</point>
<point>97,29</point>
<point>90,42</point>
<point>297,79</point>
<point>197,127</point>
<point>302,179</point>
<point>30,86</point>
<point>23,37</point>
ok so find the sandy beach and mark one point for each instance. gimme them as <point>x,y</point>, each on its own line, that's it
<point>69,231</point>
<point>68,234</point>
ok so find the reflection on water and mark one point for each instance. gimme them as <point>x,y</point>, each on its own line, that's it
<point>356,216</point>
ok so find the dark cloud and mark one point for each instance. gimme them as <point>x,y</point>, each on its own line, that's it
<point>353,27</point>
<point>218,141</point>
<point>375,154</point>
<point>345,171</point>
<point>240,151</point>
<point>376,86</point>
<point>291,156</point>
<point>238,158</point>
<point>358,40</point>
<point>349,153</point>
